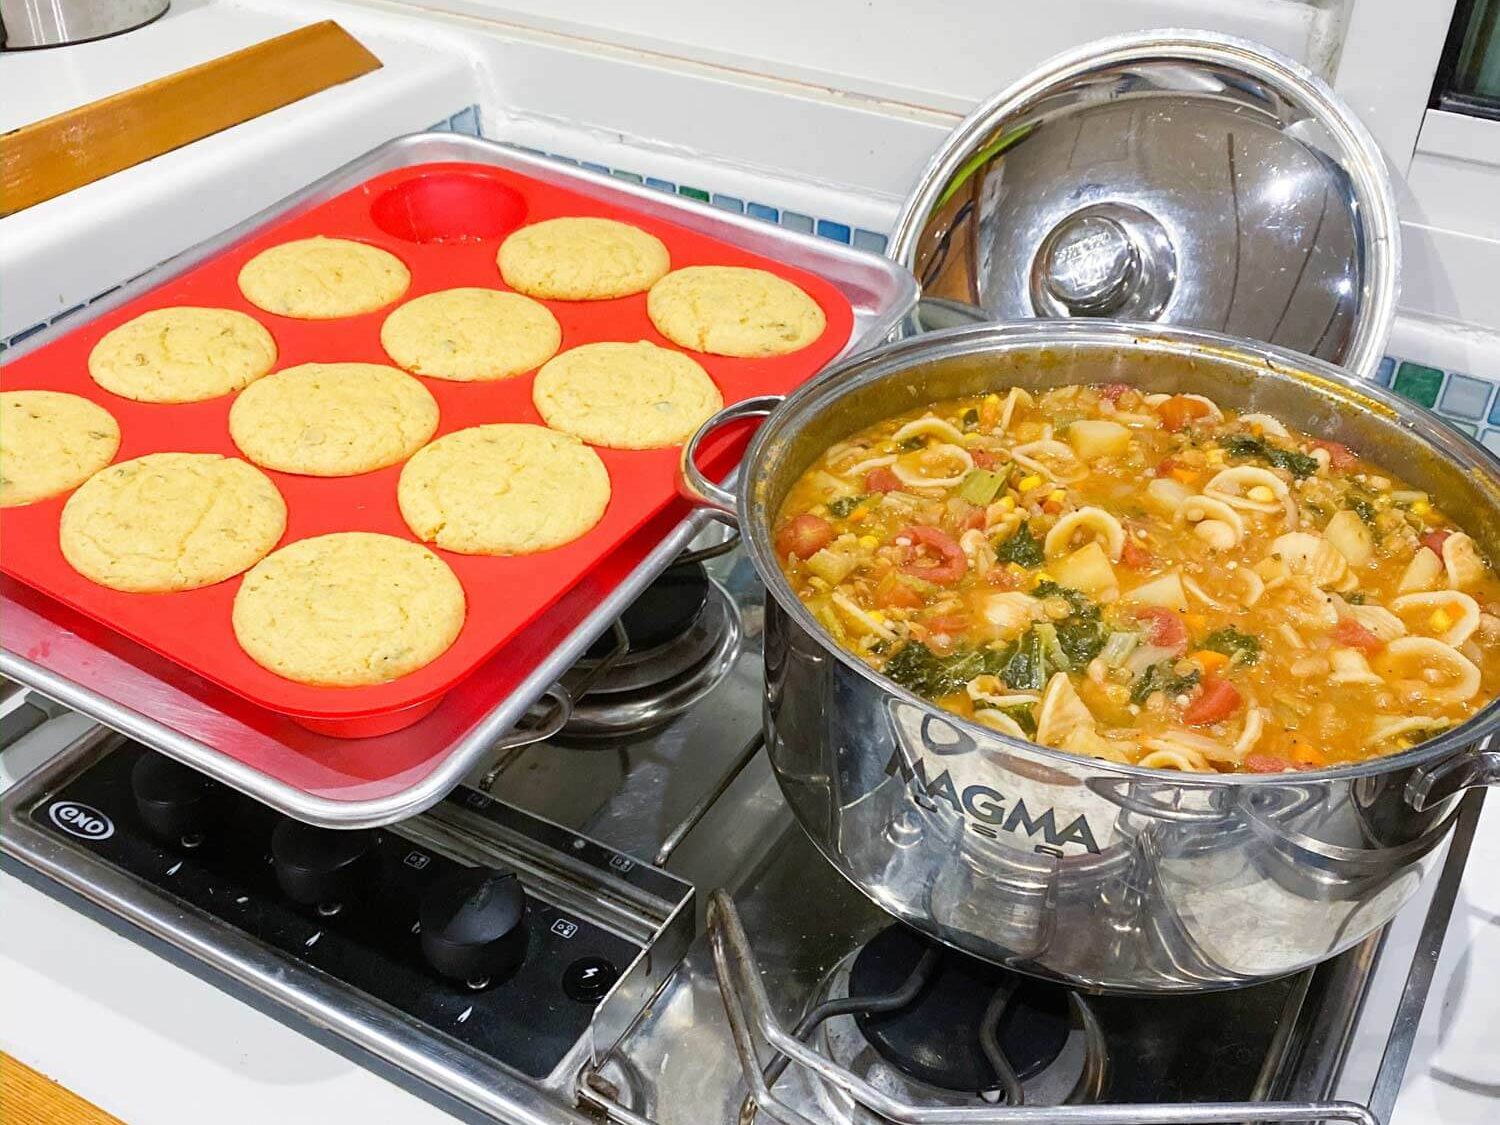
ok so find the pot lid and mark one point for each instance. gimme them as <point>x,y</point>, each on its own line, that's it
<point>1174,176</point>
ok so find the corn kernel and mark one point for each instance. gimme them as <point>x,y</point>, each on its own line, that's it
<point>1008,503</point>
<point>1261,494</point>
<point>1440,621</point>
<point>1057,494</point>
<point>1215,456</point>
<point>1026,484</point>
<point>876,616</point>
<point>993,400</point>
<point>1421,507</point>
<point>868,542</point>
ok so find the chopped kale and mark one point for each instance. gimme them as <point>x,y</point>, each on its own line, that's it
<point>916,441</point>
<point>1232,643</point>
<point>1081,635</point>
<point>1298,464</point>
<point>1021,714</point>
<point>840,506</point>
<point>1161,677</point>
<point>970,418</point>
<point>1022,548</point>
<point>1023,667</point>
<point>1361,505</point>
<point>1077,599</point>
<point>917,667</point>
<point>1356,597</point>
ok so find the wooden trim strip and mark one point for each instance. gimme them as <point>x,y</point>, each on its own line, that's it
<point>28,1098</point>
<point>45,159</point>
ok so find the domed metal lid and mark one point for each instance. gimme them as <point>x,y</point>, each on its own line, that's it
<point>1177,176</point>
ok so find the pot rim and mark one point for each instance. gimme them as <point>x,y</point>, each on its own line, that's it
<point>1366,166</point>
<point>853,372</point>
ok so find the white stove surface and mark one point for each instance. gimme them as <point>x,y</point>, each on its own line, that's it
<point>147,1040</point>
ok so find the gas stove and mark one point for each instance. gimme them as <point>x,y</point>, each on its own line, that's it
<point>622,921</point>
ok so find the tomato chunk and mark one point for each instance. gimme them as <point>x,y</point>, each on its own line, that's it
<point>1167,628</point>
<point>1134,555</point>
<point>953,624</point>
<point>984,458</point>
<point>1166,467</point>
<point>1434,541</point>
<point>1216,701</point>
<point>952,564</point>
<point>1266,763</point>
<point>893,592</point>
<point>1179,410</point>
<point>882,480</point>
<point>804,536</point>
<point>1113,391</point>
<point>1351,634</point>
<point>1339,455</point>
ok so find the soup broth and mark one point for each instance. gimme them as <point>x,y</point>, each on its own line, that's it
<point>1146,578</point>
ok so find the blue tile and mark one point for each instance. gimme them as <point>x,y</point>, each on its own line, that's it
<point>871,240</point>
<point>564,159</point>
<point>761,211</point>
<point>602,169</point>
<point>792,220</point>
<point>1384,372</point>
<point>466,121</point>
<point>525,148</point>
<point>1491,441</point>
<point>1495,413</point>
<point>661,185</point>
<point>441,127</point>
<point>839,232</point>
<point>728,203</point>
<point>628,177</point>
<point>1465,397</point>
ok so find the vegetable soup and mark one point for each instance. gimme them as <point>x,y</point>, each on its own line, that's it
<point>1146,578</point>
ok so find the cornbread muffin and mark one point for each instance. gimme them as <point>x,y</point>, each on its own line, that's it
<point>333,419</point>
<point>171,521</point>
<point>503,489</point>
<point>182,354</point>
<point>51,442</point>
<point>323,278</point>
<point>348,609</point>
<point>729,310</point>
<point>626,396</point>
<point>471,334</point>
<point>582,259</point>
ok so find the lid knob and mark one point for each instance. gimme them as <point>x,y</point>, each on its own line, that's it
<point>1088,264</point>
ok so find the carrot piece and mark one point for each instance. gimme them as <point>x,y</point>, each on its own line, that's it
<point>1208,660</point>
<point>1306,754</point>
<point>1186,476</point>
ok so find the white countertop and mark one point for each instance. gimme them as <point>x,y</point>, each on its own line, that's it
<point>152,1043</point>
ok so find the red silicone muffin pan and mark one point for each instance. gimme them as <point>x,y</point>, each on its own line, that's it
<point>446,222</point>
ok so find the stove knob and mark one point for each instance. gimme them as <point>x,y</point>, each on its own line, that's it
<point>176,802</point>
<point>319,866</point>
<point>474,924</point>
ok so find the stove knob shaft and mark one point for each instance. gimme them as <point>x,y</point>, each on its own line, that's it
<point>176,803</point>
<point>319,866</point>
<point>474,925</point>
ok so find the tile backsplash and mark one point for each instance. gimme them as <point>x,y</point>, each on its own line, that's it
<point>1463,401</point>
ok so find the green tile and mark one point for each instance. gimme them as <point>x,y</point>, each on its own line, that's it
<point>1418,383</point>
<point>694,193</point>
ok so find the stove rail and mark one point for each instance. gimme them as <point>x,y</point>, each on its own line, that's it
<point>758,1034</point>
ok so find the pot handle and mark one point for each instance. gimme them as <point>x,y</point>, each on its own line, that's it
<point>1448,778</point>
<point>692,484</point>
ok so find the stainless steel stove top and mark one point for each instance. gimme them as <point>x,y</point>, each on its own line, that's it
<point>672,851</point>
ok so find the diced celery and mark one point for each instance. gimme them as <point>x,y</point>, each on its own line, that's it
<point>982,485</point>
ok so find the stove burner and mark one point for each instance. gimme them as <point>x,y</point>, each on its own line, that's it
<point>664,611</point>
<point>684,635</point>
<point>938,1038</point>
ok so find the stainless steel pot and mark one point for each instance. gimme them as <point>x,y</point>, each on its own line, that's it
<point>1106,876</point>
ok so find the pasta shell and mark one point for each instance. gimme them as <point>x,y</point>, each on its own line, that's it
<point>1050,458</point>
<point>1427,666</point>
<point>929,425</point>
<point>1017,397</point>
<point>1351,667</point>
<point>1012,613</point>
<point>1250,734</point>
<point>1378,620</point>
<point>1174,758</point>
<point>1266,423</point>
<point>1090,744</point>
<point>916,467</point>
<point>1062,712</point>
<point>1307,605</point>
<point>1312,557</point>
<point>1198,508</point>
<point>1387,727</point>
<point>1105,528</point>
<point>1233,485</point>
<point>1462,560</point>
<point>1000,721</point>
<point>1449,615</point>
<point>1252,585</point>
<point>993,690</point>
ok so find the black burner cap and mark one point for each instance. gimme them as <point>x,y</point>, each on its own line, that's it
<point>935,1038</point>
<point>665,610</point>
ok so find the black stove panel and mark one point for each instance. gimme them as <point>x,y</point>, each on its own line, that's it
<point>527,1021</point>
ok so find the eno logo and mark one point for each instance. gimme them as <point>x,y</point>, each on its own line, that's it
<point>80,820</point>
